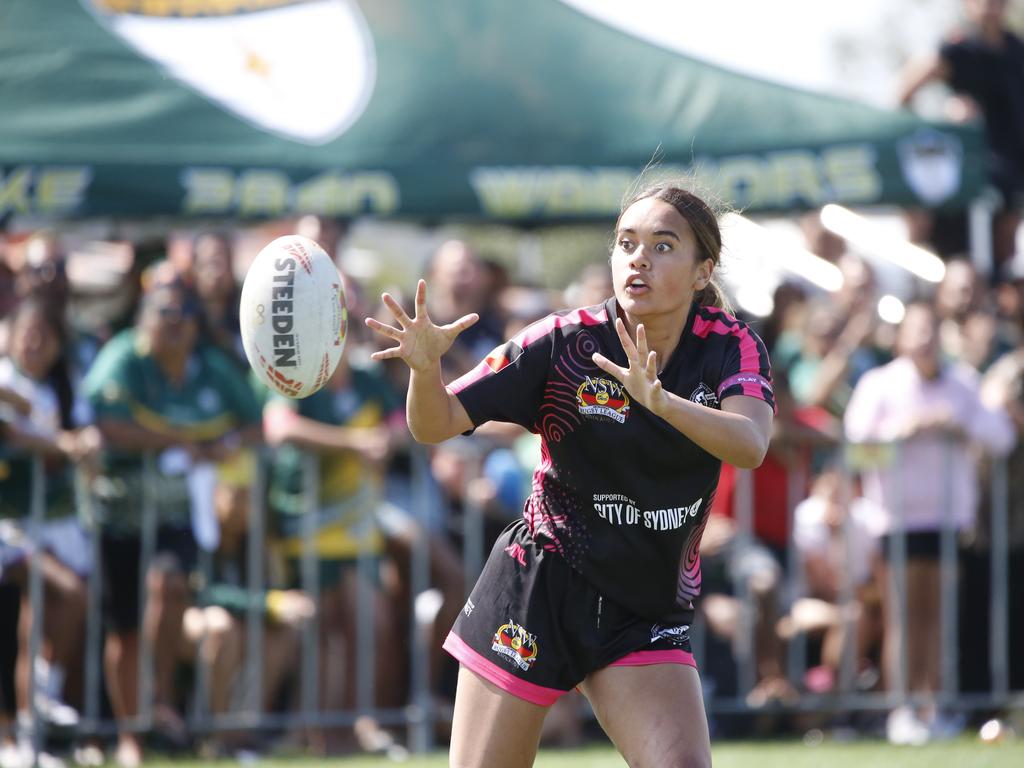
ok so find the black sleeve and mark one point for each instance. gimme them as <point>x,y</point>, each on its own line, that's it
<point>746,369</point>
<point>508,385</point>
<point>964,72</point>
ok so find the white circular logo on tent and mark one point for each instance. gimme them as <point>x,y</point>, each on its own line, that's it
<point>303,69</point>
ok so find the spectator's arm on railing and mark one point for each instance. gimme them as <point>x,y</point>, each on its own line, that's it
<point>126,435</point>
<point>283,425</point>
<point>865,418</point>
<point>990,426</point>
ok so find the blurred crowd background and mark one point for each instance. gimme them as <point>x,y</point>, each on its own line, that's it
<point>866,579</point>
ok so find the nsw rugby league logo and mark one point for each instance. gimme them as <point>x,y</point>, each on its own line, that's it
<point>516,644</point>
<point>597,396</point>
<point>302,69</point>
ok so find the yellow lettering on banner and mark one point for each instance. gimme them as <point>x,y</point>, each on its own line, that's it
<point>208,190</point>
<point>325,195</point>
<point>374,192</point>
<point>59,190</point>
<point>262,193</point>
<point>795,176</point>
<point>852,172</point>
<point>502,191</point>
<point>742,180</point>
<point>564,191</point>
<point>567,191</point>
<point>608,187</point>
<point>14,191</point>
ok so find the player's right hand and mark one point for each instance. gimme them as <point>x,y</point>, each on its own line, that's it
<point>421,343</point>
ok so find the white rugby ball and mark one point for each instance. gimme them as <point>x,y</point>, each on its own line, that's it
<point>293,316</point>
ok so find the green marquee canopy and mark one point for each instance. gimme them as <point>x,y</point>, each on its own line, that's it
<point>525,111</point>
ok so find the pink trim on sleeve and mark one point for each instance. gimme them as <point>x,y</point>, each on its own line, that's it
<point>646,658</point>
<point>754,380</point>
<point>750,356</point>
<point>492,673</point>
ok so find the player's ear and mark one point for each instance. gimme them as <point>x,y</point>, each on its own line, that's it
<point>703,276</point>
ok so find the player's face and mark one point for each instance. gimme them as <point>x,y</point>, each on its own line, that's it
<point>656,265</point>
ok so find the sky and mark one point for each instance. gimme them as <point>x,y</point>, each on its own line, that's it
<point>790,41</point>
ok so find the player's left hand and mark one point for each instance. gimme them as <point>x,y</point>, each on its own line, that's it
<point>641,377</point>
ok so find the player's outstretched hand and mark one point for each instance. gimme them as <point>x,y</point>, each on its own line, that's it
<point>420,342</point>
<point>641,377</point>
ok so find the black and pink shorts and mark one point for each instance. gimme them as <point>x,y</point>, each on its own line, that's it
<point>534,627</point>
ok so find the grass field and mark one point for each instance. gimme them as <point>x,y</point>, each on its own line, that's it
<point>866,754</point>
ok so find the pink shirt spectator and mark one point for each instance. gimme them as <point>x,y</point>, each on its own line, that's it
<point>911,483</point>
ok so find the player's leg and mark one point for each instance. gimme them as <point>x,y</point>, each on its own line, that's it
<point>654,714</point>
<point>492,728</point>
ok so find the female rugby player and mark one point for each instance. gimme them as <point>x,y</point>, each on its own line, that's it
<point>637,401</point>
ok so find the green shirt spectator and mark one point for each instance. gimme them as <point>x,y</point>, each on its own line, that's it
<point>348,427</point>
<point>201,411</point>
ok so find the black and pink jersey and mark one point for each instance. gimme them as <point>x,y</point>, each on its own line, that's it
<point>621,494</point>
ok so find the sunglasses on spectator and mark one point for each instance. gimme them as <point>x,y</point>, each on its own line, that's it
<point>172,313</point>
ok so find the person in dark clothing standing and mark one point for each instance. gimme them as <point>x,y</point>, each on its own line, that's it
<point>985,64</point>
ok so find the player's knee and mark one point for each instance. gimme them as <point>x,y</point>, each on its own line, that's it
<point>681,754</point>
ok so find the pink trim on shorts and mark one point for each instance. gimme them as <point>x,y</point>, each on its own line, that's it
<point>492,673</point>
<point>645,658</point>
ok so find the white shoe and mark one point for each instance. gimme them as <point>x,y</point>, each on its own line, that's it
<point>11,756</point>
<point>29,757</point>
<point>905,728</point>
<point>55,711</point>
<point>88,756</point>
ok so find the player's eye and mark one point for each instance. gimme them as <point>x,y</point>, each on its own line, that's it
<point>663,247</point>
<point>625,244</point>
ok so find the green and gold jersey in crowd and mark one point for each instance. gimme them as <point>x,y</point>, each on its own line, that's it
<point>348,488</point>
<point>126,384</point>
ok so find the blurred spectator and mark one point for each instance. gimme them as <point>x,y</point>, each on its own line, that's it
<point>323,230</point>
<point>1002,386</point>
<point>592,286</point>
<point>215,629</point>
<point>819,240</point>
<point>32,424</point>
<point>931,411</point>
<point>788,303</point>
<point>459,285</point>
<point>158,389</point>
<point>836,536</point>
<point>218,291</point>
<point>968,332</point>
<point>984,66</point>
<point>783,477</point>
<point>834,352</point>
<point>349,429</point>
<point>43,273</point>
<point>760,555</point>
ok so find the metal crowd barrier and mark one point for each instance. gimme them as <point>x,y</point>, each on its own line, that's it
<point>420,714</point>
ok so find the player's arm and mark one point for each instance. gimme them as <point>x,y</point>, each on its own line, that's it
<point>920,73</point>
<point>738,433</point>
<point>433,413</point>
